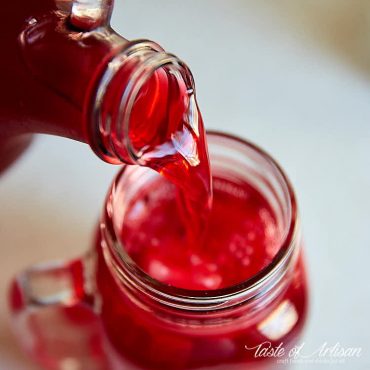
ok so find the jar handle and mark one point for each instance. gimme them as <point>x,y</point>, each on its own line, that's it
<point>53,316</point>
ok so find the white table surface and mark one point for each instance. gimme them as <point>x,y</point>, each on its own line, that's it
<point>293,76</point>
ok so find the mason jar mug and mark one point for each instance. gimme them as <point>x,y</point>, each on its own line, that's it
<point>103,311</point>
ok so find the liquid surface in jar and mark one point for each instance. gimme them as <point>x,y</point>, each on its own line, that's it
<point>241,237</point>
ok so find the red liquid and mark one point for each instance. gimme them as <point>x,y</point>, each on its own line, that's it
<point>242,238</point>
<point>47,69</point>
<point>167,134</point>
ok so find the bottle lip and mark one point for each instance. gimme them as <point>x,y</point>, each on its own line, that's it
<point>141,75</point>
<point>253,289</point>
<point>111,140</point>
<point>100,130</point>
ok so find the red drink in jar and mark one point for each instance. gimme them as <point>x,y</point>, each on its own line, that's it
<point>149,297</point>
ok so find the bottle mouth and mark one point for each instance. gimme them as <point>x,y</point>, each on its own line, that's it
<point>259,289</point>
<point>131,99</point>
<point>139,146</point>
<point>104,110</point>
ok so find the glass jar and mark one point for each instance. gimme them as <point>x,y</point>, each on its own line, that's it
<point>103,312</point>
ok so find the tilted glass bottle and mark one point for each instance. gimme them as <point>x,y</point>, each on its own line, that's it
<point>64,71</point>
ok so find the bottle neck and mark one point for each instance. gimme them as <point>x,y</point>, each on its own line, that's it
<point>107,124</point>
<point>128,112</point>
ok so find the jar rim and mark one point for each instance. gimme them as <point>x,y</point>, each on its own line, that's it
<point>213,299</point>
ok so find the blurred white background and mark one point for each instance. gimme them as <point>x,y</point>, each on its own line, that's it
<point>292,76</point>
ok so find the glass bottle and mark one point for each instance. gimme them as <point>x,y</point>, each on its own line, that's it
<point>64,71</point>
<point>103,312</point>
